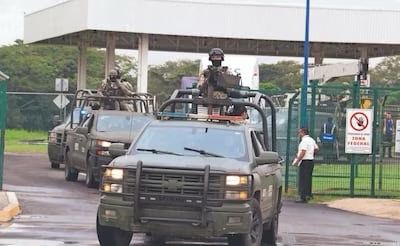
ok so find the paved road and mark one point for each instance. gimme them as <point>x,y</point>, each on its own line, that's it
<point>56,212</point>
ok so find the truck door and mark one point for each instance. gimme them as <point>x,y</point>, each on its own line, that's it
<point>267,180</point>
<point>81,143</point>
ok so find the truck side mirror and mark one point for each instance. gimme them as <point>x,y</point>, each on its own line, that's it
<point>117,149</point>
<point>56,120</point>
<point>268,157</point>
<point>82,130</point>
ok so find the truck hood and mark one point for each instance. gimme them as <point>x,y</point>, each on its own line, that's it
<point>170,161</point>
<point>60,128</point>
<point>115,137</point>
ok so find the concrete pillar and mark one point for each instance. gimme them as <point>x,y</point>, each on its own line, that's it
<point>318,59</point>
<point>364,59</point>
<point>110,53</point>
<point>143,53</point>
<point>82,64</point>
<point>318,54</point>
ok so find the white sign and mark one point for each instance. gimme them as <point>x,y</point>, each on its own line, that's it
<point>364,82</point>
<point>359,131</point>
<point>397,137</point>
<point>61,101</point>
<point>61,84</point>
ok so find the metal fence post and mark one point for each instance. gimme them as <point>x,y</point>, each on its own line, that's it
<point>3,113</point>
<point>287,162</point>
<point>375,127</point>
<point>314,84</point>
<point>355,102</point>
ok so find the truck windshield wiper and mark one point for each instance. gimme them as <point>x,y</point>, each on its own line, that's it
<point>203,152</point>
<point>156,151</point>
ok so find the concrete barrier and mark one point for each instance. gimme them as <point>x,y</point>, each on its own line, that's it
<point>9,206</point>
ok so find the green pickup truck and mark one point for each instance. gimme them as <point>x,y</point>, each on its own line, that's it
<point>194,177</point>
<point>86,148</point>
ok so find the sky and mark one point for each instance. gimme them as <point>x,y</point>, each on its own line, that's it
<point>12,16</point>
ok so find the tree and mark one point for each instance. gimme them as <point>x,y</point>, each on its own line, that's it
<point>33,68</point>
<point>164,79</point>
<point>282,76</point>
<point>387,72</point>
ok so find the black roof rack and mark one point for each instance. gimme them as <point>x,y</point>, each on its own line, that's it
<point>235,98</point>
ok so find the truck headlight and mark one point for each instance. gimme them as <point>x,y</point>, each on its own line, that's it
<point>236,195</point>
<point>52,137</point>
<point>237,180</point>
<point>104,144</point>
<point>114,188</point>
<point>115,174</point>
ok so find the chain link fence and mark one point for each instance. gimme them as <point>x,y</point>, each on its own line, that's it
<point>335,172</point>
<point>34,111</point>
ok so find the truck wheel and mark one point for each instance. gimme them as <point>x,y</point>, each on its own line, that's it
<point>270,232</point>
<point>112,236</point>
<point>55,165</point>
<point>90,180</point>
<point>256,229</point>
<point>70,173</point>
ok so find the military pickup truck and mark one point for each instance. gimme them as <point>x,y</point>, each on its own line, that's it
<point>83,101</point>
<point>195,177</point>
<point>87,144</point>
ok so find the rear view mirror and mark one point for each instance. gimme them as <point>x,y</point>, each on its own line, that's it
<point>268,157</point>
<point>117,149</point>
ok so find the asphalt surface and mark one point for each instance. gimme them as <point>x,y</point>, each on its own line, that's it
<point>56,212</point>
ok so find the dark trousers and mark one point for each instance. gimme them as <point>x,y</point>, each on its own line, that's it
<point>387,144</point>
<point>305,178</point>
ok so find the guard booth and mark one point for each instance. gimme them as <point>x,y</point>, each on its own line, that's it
<point>3,117</point>
<point>341,166</point>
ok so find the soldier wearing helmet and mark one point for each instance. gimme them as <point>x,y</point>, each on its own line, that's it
<point>115,86</point>
<point>211,79</point>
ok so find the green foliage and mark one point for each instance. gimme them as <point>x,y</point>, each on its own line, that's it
<point>33,68</point>
<point>387,72</point>
<point>164,79</point>
<point>282,76</point>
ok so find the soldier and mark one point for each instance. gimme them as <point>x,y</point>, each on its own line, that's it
<point>213,76</point>
<point>115,86</point>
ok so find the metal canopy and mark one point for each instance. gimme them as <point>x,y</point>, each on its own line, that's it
<point>175,43</point>
<point>241,27</point>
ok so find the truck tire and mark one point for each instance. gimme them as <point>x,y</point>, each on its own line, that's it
<point>90,180</point>
<point>70,173</point>
<point>112,236</point>
<point>270,231</point>
<point>55,165</point>
<point>256,229</point>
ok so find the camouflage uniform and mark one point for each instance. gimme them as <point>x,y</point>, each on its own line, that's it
<point>114,86</point>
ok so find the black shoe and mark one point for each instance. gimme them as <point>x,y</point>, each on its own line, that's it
<point>301,201</point>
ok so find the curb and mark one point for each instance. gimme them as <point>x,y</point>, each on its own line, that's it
<point>12,208</point>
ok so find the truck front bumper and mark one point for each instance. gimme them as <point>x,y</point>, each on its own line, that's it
<point>232,218</point>
<point>55,152</point>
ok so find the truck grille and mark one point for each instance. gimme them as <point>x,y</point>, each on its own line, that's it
<point>173,186</point>
<point>59,138</point>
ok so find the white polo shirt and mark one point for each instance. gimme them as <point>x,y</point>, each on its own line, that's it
<point>309,145</point>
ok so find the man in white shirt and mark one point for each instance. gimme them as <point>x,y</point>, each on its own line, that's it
<point>305,161</point>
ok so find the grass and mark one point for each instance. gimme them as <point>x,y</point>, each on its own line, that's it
<point>334,180</point>
<point>15,141</point>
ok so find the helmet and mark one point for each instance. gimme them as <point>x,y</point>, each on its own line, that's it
<point>216,54</point>
<point>114,74</point>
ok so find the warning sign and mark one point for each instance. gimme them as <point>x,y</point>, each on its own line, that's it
<point>359,131</point>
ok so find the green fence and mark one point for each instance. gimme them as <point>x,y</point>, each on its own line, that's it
<point>335,172</point>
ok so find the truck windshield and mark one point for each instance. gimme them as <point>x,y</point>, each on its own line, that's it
<point>207,142</point>
<point>121,123</point>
